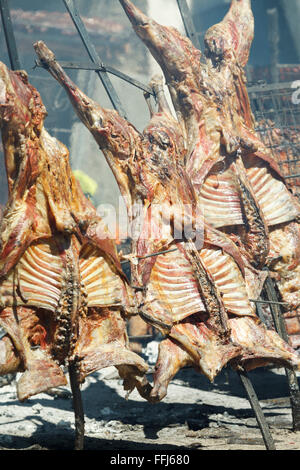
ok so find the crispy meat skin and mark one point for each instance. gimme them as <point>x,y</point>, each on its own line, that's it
<point>189,296</point>
<point>63,294</point>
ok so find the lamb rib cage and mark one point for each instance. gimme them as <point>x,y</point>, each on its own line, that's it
<point>268,441</point>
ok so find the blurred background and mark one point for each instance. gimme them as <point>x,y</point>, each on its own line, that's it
<point>118,46</point>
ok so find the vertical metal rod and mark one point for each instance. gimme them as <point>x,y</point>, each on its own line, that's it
<point>290,374</point>
<point>255,405</point>
<point>9,35</point>
<point>78,406</point>
<point>273,26</point>
<point>188,22</point>
<point>89,46</point>
<point>275,309</point>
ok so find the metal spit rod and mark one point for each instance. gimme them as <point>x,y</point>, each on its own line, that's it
<point>102,73</point>
<point>260,417</point>
<point>9,36</point>
<point>90,48</point>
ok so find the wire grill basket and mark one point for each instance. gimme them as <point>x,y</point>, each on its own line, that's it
<point>276,109</point>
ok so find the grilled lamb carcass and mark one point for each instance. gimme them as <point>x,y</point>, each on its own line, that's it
<point>63,295</point>
<point>143,166</point>
<point>285,238</point>
<point>238,182</point>
<point>194,293</point>
<point>236,179</point>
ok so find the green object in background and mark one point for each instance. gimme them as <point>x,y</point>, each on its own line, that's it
<point>88,185</point>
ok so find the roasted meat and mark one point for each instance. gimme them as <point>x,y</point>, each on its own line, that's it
<point>285,146</point>
<point>237,180</point>
<point>190,278</point>
<point>238,183</point>
<point>285,270</point>
<point>63,295</point>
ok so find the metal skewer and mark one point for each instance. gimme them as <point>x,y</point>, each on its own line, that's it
<point>115,100</point>
<point>9,36</point>
<point>77,405</point>
<point>90,48</point>
<point>102,68</point>
<point>188,22</point>
<point>259,415</point>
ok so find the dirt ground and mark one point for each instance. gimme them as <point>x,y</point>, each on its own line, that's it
<point>196,415</point>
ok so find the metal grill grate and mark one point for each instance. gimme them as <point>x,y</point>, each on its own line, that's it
<point>278,122</point>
